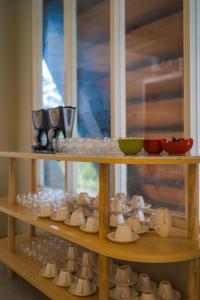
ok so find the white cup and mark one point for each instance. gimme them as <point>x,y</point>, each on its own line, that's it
<point>144,282</point>
<point>163,216</point>
<point>134,223</point>
<point>137,202</point>
<point>163,230</point>
<point>121,196</point>
<point>116,205</point>
<point>124,275</point>
<point>72,253</point>
<point>77,218</point>
<point>116,219</point>
<point>123,233</point>
<point>64,277</point>
<point>61,214</point>
<point>165,290</point>
<point>87,259</point>
<point>148,295</point>
<point>96,201</point>
<point>83,199</point>
<point>82,286</point>
<point>92,224</point>
<point>50,269</point>
<point>70,206</point>
<point>86,272</point>
<point>72,266</point>
<point>45,210</point>
<point>121,292</point>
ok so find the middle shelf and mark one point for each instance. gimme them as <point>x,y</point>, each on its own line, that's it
<point>149,248</point>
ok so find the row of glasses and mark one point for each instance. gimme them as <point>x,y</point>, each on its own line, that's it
<point>87,146</point>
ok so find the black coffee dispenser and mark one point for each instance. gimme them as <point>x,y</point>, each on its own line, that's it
<point>61,122</point>
<point>40,123</point>
<point>69,116</point>
<point>56,125</point>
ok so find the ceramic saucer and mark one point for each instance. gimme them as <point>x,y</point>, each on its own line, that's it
<point>58,284</point>
<point>57,220</point>
<point>41,273</point>
<point>67,222</point>
<point>144,229</point>
<point>83,228</point>
<point>43,217</point>
<point>123,211</point>
<point>153,288</point>
<point>111,237</point>
<point>72,291</point>
<point>134,293</point>
<point>134,280</point>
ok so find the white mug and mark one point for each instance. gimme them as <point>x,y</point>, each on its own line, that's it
<point>123,233</point>
<point>116,219</point>
<point>64,277</point>
<point>77,218</point>
<point>82,286</point>
<point>116,205</point>
<point>72,253</point>
<point>50,269</point>
<point>88,259</point>
<point>163,230</point>
<point>72,266</point>
<point>134,224</point>
<point>165,290</point>
<point>148,295</point>
<point>124,275</point>
<point>92,224</point>
<point>83,199</point>
<point>144,282</point>
<point>163,216</point>
<point>62,213</point>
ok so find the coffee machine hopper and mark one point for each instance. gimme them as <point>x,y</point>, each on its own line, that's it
<point>56,125</point>
<point>40,123</point>
<point>69,116</point>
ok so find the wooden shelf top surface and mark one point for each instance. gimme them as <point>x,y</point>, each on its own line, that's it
<point>149,248</point>
<point>29,271</point>
<point>108,159</point>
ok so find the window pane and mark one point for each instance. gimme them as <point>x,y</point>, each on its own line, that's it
<point>93,71</point>
<point>53,76</point>
<point>154,92</point>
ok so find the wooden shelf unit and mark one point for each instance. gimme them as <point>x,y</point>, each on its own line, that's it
<point>29,271</point>
<point>148,249</point>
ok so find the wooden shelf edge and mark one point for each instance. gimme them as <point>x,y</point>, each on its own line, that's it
<point>108,159</point>
<point>29,271</point>
<point>148,249</point>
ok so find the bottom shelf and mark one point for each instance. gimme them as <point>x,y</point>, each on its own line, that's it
<point>29,271</point>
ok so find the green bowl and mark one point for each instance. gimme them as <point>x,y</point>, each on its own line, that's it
<point>130,146</point>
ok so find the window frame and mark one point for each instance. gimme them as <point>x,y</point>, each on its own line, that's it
<point>118,69</point>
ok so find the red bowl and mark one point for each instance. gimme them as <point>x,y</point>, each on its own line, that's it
<point>153,146</point>
<point>180,147</point>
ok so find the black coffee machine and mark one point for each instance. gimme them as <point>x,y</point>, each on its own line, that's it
<point>40,123</point>
<point>59,122</point>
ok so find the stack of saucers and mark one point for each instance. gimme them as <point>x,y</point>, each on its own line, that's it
<point>83,285</point>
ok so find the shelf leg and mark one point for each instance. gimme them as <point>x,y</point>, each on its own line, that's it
<point>193,229</point>
<point>33,189</point>
<point>104,192</point>
<point>11,220</point>
<point>193,280</point>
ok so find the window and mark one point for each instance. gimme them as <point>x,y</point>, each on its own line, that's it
<point>53,77</point>
<point>154,93</point>
<point>154,84</point>
<point>93,73</point>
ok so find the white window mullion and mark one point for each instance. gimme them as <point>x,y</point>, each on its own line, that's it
<point>70,58</point>
<point>118,86</point>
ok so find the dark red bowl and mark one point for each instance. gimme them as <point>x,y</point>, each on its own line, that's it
<point>180,147</point>
<point>153,146</point>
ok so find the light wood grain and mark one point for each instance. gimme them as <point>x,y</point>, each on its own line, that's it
<point>104,191</point>
<point>11,200</point>
<point>103,277</point>
<point>155,115</point>
<point>193,280</point>
<point>29,271</point>
<point>149,248</point>
<point>193,202</point>
<point>33,188</point>
<point>108,159</point>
